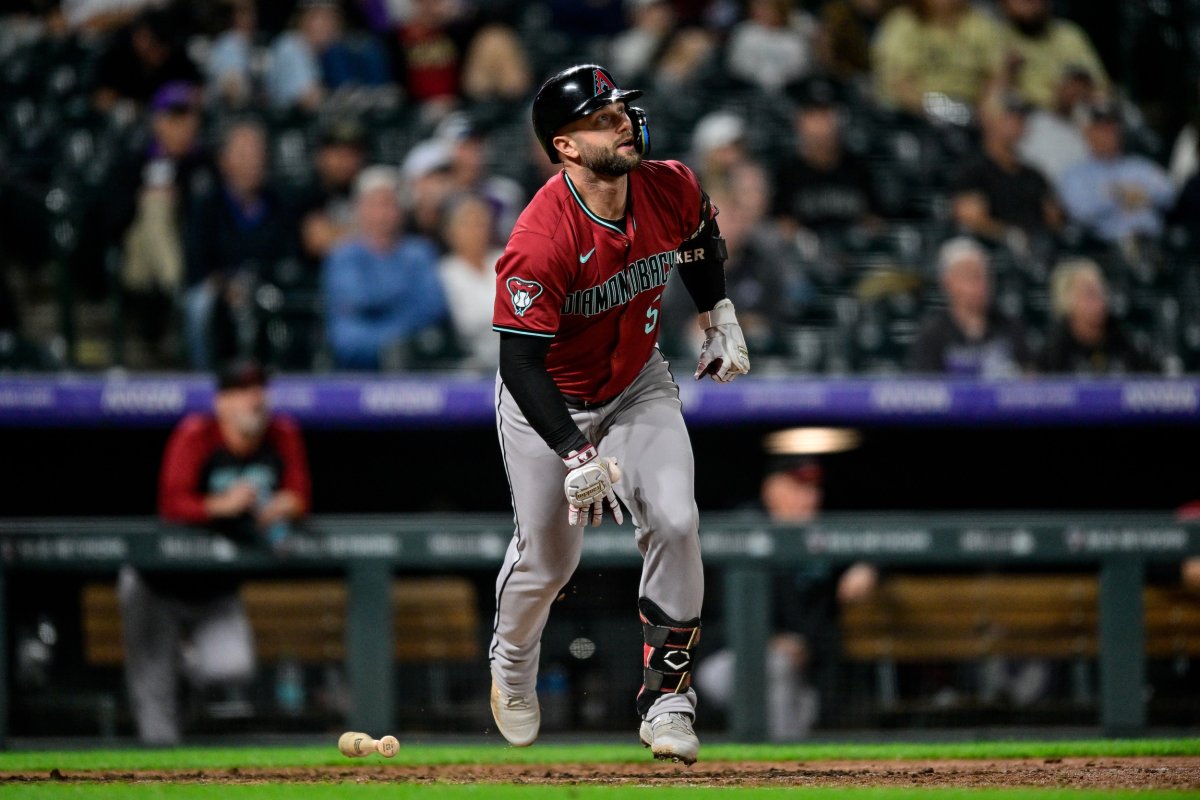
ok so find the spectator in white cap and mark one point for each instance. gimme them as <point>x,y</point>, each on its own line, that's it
<point>718,145</point>
<point>428,183</point>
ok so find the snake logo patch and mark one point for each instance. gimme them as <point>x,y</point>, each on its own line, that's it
<point>523,293</point>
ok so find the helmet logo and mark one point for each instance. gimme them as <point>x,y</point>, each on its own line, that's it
<point>601,82</point>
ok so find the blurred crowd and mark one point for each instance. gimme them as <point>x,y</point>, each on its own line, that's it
<point>939,186</point>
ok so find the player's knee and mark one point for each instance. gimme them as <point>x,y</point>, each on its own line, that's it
<point>232,662</point>
<point>679,525</point>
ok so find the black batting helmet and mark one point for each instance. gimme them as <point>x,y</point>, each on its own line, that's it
<point>573,94</point>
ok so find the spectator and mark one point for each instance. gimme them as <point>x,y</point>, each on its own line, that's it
<point>685,59</point>
<point>822,188</point>
<point>147,205</point>
<point>718,145</point>
<point>327,207</point>
<point>1185,154</point>
<point>969,338</point>
<point>1087,339</point>
<point>933,47</point>
<point>773,47</point>
<point>230,66</point>
<point>1053,141</point>
<point>763,275</point>
<point>468,275</point>
<point>468,151</point>
<point>1036,49</point>
<point>427,53</point>
<point>847,28</point>
<point>996,196</point>
<point>633,50</point>
<point>496,68</point>
<point>1115,196</point>
<point>317,57</point>
<point>1185,213</point>
<point>428,183</point>
<point>240,472</point>
<point>143,56</point>
<point>236,231</point>
<point>102,16</point>
<point>381,289</point>
<point>806,647</point>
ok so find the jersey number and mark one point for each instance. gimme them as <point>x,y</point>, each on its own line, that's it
<point>652,315</point>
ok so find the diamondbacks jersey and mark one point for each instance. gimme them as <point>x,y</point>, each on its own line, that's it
<point>591,287</point>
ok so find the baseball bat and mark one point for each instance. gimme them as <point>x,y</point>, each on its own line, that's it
<point>357,745</point>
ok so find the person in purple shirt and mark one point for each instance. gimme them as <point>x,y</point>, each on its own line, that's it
<point>1115,196</point>
<point>380,288</point>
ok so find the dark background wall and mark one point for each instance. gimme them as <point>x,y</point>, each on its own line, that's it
<point>110,472</point>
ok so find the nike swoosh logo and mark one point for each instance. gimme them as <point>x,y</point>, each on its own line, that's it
<point>583,258</point>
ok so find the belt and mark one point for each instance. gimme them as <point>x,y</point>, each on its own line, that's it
<point>579,404</point>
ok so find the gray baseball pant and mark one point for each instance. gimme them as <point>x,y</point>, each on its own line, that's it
<point>643,429</point>
<point>210,642</point>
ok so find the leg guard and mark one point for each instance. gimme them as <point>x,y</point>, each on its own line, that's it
<point>667,654</point>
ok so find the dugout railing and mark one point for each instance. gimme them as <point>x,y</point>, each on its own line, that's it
<point>745,549</point>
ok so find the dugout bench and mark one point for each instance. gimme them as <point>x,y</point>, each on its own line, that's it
<point>923,619</point>
<point>745,549</point>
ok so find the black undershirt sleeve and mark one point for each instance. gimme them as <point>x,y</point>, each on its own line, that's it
<point>702,261</point>
<point>523,370</point>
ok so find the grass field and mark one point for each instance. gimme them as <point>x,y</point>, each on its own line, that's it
<point>546,772</point>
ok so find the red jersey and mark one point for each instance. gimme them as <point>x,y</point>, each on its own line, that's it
<point>197,463</point>
<point>594,288</point>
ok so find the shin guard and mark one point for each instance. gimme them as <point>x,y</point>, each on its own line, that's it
<point>667,654</point>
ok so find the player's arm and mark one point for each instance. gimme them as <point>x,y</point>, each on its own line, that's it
<point>180,498</point>
<point>702,269</point>
<point>294,496</point>
<point>589,477</point>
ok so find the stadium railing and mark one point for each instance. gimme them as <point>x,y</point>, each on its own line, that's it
<point>746,550</point>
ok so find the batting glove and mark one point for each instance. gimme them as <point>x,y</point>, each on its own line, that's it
<point>589,486</point>
<point>724,355</point>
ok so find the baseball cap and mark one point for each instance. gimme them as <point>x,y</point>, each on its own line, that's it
<point>429,156</point>
<point>717,129</point>
<point>174,97</point>
<point>345,132</point>
<point>242,373</point>
<point>1015,103</point>
<point>1103,111</point>
<point>813,93</point>
<point>1078,72</point>
<point>801,468</point>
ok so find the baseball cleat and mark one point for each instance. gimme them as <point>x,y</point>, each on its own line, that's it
<point>517,718</point>
<point>671,736</point>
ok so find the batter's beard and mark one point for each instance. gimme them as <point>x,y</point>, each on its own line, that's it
<point>610,164</point>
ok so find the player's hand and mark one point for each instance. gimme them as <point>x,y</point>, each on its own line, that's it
<point>724,355</point>
<point>234,501</point>
<point>588,487</point>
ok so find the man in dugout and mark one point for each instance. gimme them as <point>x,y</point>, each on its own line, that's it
<point>239,472</point>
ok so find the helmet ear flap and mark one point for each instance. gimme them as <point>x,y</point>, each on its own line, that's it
<point>641,130</point>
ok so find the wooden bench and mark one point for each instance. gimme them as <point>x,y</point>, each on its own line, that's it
<point>938,619</point>
<point>435,619</point>
<point>931,618</point>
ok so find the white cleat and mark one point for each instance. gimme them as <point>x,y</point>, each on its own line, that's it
<point>671,736</point>
<point>517,718</point>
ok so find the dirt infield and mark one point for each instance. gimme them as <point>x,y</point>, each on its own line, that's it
<point>1077,773</point>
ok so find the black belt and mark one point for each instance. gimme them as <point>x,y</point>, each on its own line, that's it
<point>579,404</point>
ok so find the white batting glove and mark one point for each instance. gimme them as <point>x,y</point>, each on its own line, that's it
<point>588,485</point>
<point>724,355</point>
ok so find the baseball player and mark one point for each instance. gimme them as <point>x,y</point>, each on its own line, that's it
<point>583,388</point>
